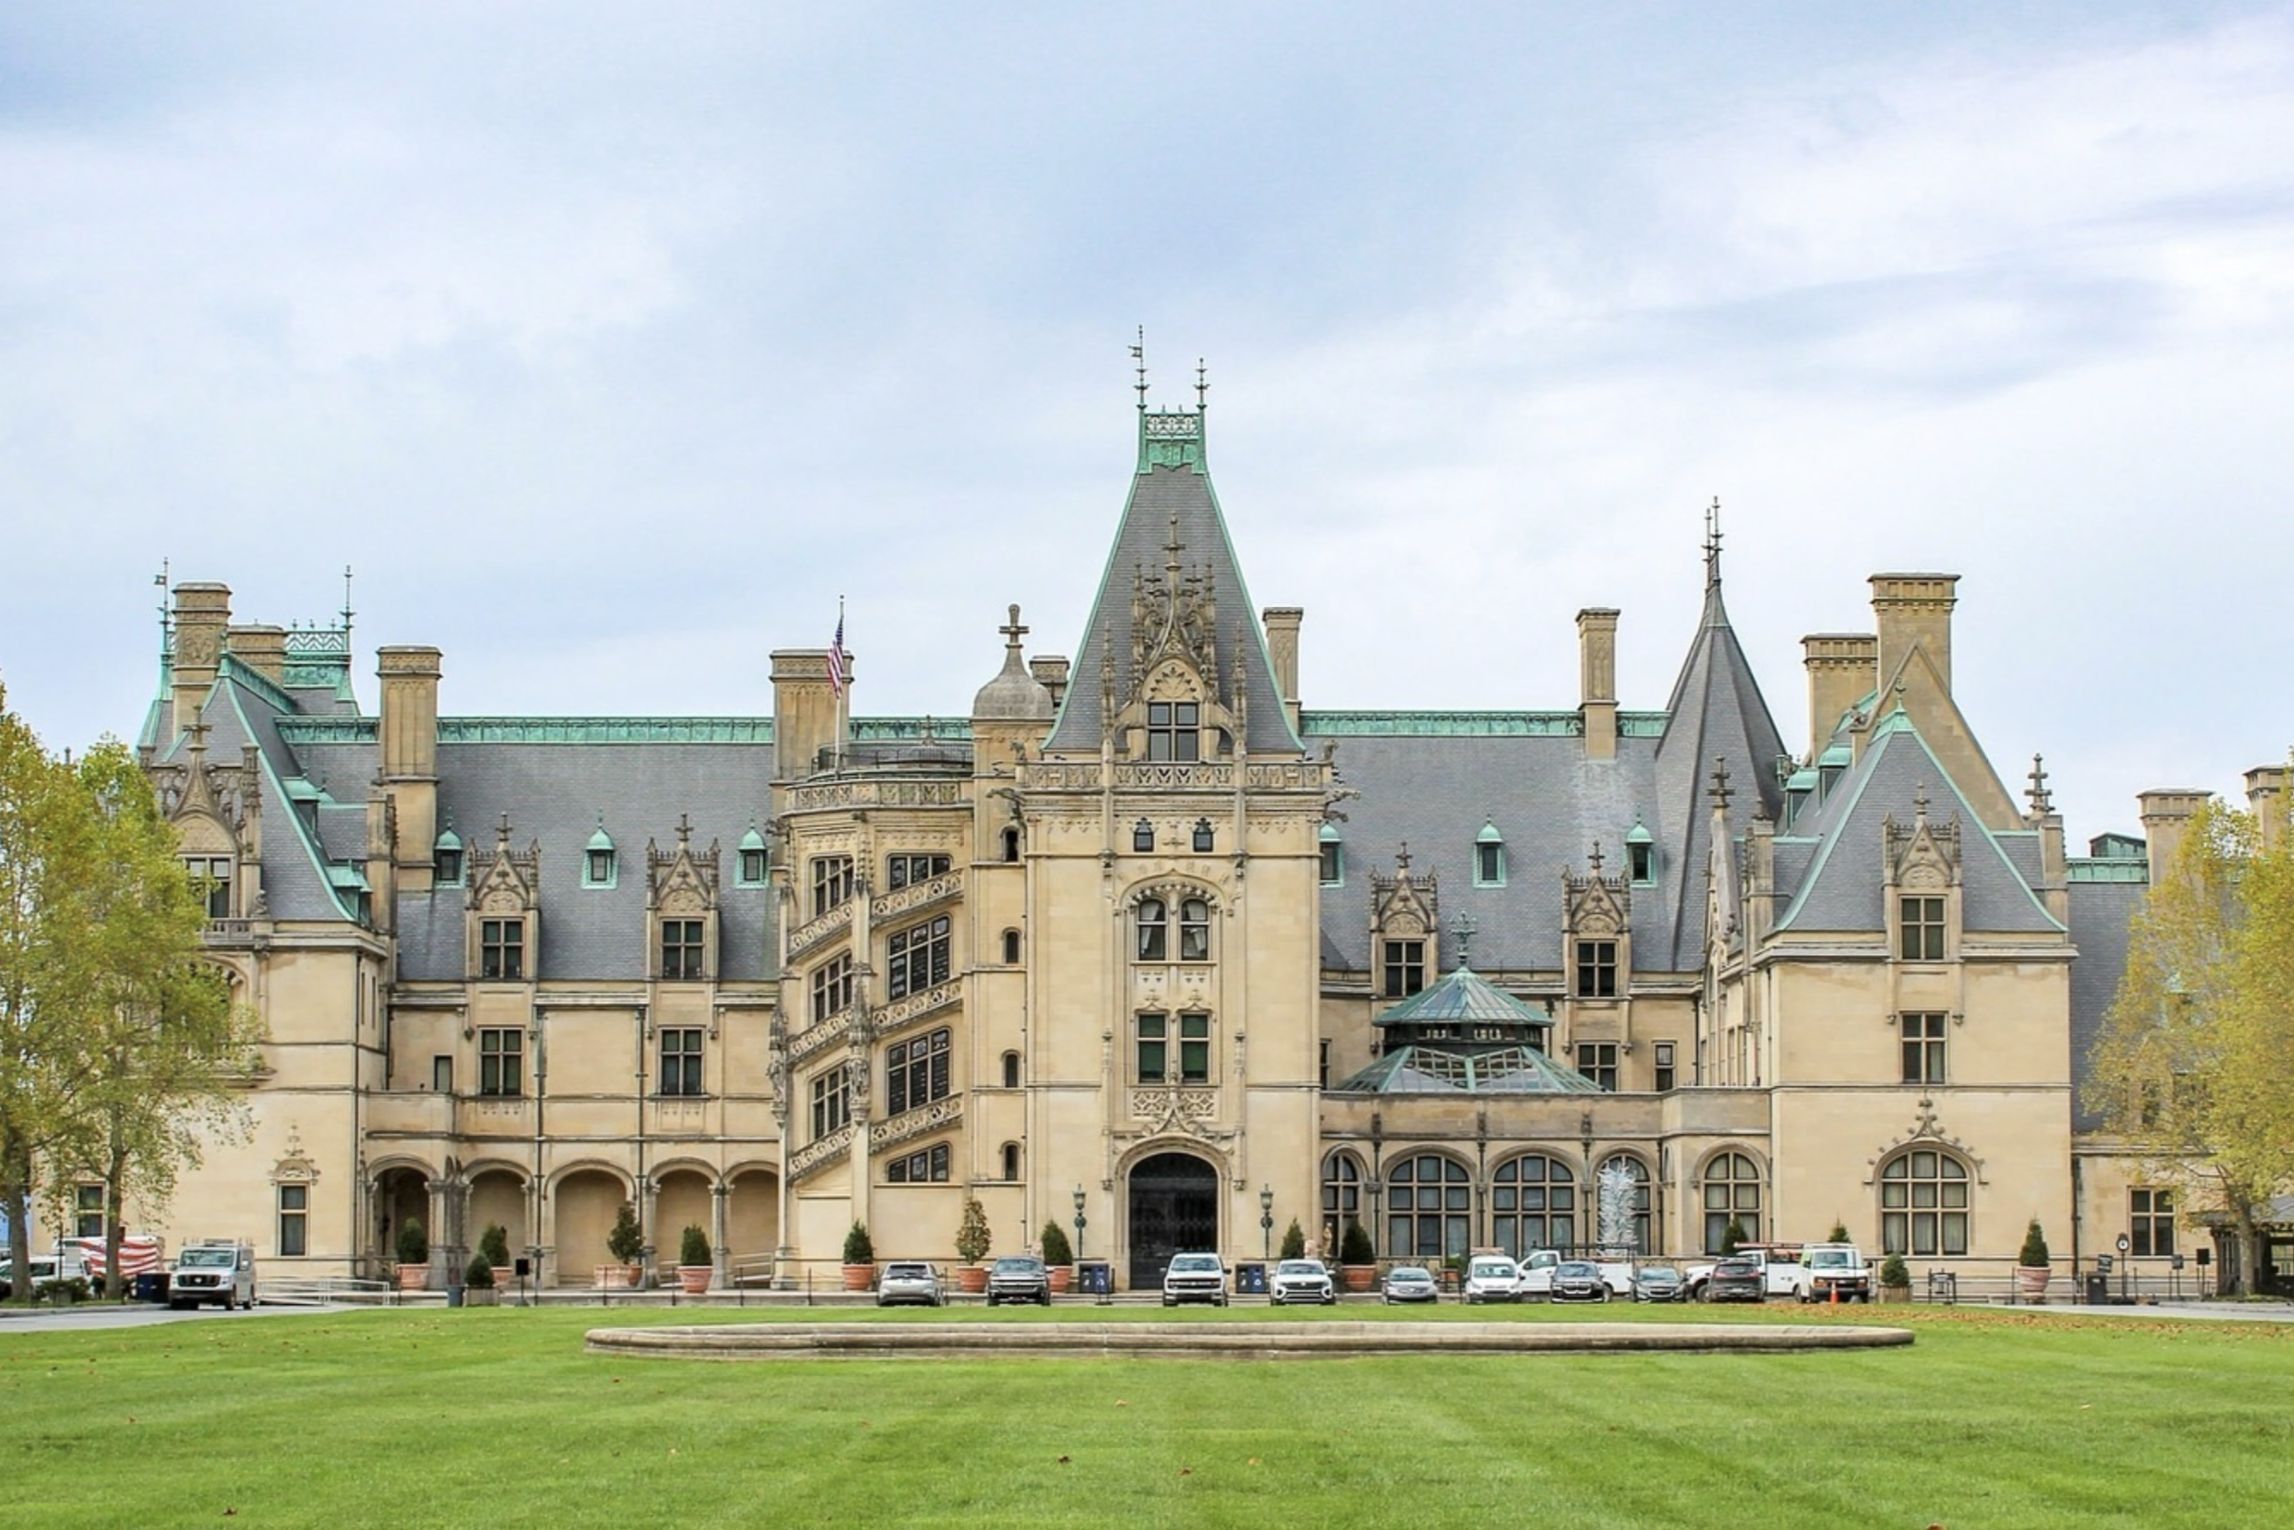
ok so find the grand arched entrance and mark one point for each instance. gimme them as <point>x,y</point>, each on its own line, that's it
<point>1174,1208</point>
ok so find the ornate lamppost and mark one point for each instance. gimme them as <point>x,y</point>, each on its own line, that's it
<point>1266,1221</point>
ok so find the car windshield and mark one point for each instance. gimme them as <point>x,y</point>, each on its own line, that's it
<point>1298,1267</point>
<point>1737,1267</point>
<point>205,1259</point>
<point>907,1271</point>
<point>1194,1264</point>
<point>1497,1269</point>
<point>1018,1266</point>
<point>1575,1267</point>
<point>1408,1273</point>
<point>1830,1258</point>
<point>1660,1277</point>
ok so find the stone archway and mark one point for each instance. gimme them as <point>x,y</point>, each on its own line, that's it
<point>588,1201</point>
<point>752,1225</point>
<point>498,1199</point>
<point>401,1195</point>
<point>1171,1206</point>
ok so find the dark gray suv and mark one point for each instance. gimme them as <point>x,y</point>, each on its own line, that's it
<point>1019,1278</point>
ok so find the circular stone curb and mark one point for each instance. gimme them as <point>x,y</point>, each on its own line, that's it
<point>1261,1341</point>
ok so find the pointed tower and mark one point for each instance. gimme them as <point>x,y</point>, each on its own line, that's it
<point>1716,714</point>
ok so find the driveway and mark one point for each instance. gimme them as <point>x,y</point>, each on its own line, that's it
<point>74,1319</point>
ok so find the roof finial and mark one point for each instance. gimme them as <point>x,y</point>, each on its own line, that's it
<point>1720,792</point>
<point>1139,355</point>
<point>502,831</point>
<point>1402,856</point>
<point>1202,387</point>
<point>1920,801</point>
<point>1712,543</point>
<point>1594,859</point>
<point>160,579</point>
<point>1463,927</point>
<point>1013,631</point>
<point>2042,801</point>
<point>1174,547</point>
<point>684,829</point>
<point>346,602</point>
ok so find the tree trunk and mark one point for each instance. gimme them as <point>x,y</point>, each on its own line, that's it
<point>115,1173</point>
<point>2249,1252</point>
<point>15,1196</point>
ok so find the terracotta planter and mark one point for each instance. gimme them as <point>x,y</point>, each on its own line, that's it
<point>693,1279</point>
<point>414,1277</point>
<point>1895,1293</point>
<point>1359,1277</point>
<point>612,1277</point>
<point>505,1276</point>
<point>2031,1281</point>
<point>972,1279</point>
<point>1062,1276</point>
<point>859,1277</point>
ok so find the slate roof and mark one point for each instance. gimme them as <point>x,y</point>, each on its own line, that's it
<point>2101,913</point>
<point>1160,491</point>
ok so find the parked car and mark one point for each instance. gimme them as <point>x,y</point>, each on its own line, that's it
<point>1302,1280</point>
<point>1659,1283</point>
<point>44,1270</point>
<point>1579,1280</point>
<point>1835,1267</point>
<point>908,1281</point>
<point>1019,1278</point>
<point>1537,1269</point>
<point>219,1272</point>
<point>1491,1278</point>
<point>1781,1272</point>
<point>1735,1280</point>
<point>1195,1278</point>
<point>1409,1283</point>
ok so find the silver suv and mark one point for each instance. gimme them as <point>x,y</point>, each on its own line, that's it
<point>1019,1278</point>
<point>908,1281</point>
<point>1195,1278</point>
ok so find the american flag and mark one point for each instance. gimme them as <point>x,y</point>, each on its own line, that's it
<point>836,657</point>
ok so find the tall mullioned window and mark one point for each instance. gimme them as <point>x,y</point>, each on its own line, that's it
<point>294,1214</point>
<point>682,948</point>
<point>501,1062</point>
<point>1597,1060</point>
<point>1921,936</point>
<point>831,987</point>
<point>1194,930</point>
<point>502,950</point>
<point>831,882</point>
<point>87,1211</point>
<point>212,875</point>
<point>1533,1205</point>
<point>1665,1074</point>
<point>1341,1199</point>
<point>1174,731</point>
<point>1429,1208</point>
<point>831,1101</point>
<point>681,1061</point>
<point>1194,1049</point>
<point>916,1072</point>
<point>1924,1204</point>
<point>1597,969</point>
<point>2150,1222</point>
<point>1923,1048</point>
<point>1153,923</point>
<point>1732,1194</point>
<point>905,870</point>
<point>1405,967</point>
<point>916,958</point>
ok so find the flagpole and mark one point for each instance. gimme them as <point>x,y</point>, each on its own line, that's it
<point>843,692</point>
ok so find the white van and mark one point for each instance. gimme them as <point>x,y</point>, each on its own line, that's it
<point>215,1271</point>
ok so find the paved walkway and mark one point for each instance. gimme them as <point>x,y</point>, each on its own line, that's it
<point>102,1315</point>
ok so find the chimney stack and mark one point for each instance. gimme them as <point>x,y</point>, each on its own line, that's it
<point>1597,680</point>
<point>261,649</point>
<point>407,732</point>
<point>1050,671</point>
<point>2266,800</point>
<point>1282,624</point>
<point>202,613</point>
<point>1843,668</point>
<point>1914,609</point>
<point>804,710</point>
<point>2167,812</point>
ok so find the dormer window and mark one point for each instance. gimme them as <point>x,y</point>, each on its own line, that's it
<point>1333,857</point>
<point>597,863</point>
<point>1174,732</point>
<point>1142,836</point>
<point>751,867</point>
<point>446,858</point>
<point>212,876</point>
<point>1203,836</point>
<point>1920,937</point>
<point>1489,857</point>
<point>1641,854</point>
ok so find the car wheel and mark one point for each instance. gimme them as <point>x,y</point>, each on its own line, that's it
<point>1222,1301</point>
<point>1043,1299</point>
<point>1170,1301</point>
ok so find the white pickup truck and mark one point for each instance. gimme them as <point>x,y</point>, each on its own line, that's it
<point>1536,1279</point>
<point>1781,1272</point>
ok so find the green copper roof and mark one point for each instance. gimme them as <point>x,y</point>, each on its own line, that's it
<point>752,840</point>
<point>600,840</point>
<point>1327,834</point>
<point>1435,1070</point>
<point>1837,754</point>
<point>2083,868</point>
<point>1639,834</point>
<point>1464,997</point>
<point>448,839</point>
<point>1489,834</point>
<point>1469,724</point>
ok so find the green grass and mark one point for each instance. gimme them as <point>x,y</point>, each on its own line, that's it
<point>497,1418</point>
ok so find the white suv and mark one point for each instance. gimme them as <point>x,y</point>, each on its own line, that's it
<point>1491,1278</point>
<point>1195,1278</point>
<point>1301,1280</point>
<point>223,1273</point>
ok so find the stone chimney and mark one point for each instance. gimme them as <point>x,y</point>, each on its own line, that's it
<point>1050,671</point>
<point>261,649</point>
<point>2266,800</point>
<point>1914,609</point>
<point>408,768</point>
<point>2167,811</point>
<point>202,613</point>
<point>1843,668</point>
<point>1282,647</point>
<point>804,710</point>
<point>1597,680</point>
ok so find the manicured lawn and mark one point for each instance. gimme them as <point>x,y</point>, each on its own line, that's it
<point>497,1418</point>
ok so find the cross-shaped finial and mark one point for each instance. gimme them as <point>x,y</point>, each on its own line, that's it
<point>1174,547</point>
<point>1012,630</point>
<point>1720,787</point>
<point>1402,857</point>
<point>1594,860</point>
<point>684,829</point>
<point>1920,799</point>
<point>1139,356</point>
<point>2041,801</point>
<point>195,734</point>
<point>1463,927</point>
<point>502,831</point>
<point>1202,385</point>
<point>1712,543</point>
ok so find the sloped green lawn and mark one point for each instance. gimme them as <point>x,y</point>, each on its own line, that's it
<point>498,1418</point>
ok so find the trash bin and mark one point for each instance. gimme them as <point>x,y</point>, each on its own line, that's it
<point>2098,1290</point>
<point>1250,1279</point>
<point>1096,1277</point>
<point>150,1286</point>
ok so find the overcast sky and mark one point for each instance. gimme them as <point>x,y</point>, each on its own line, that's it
<point>610,344</point>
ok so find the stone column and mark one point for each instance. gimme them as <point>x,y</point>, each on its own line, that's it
<point>649,1196</point>
<point>720,1195</point>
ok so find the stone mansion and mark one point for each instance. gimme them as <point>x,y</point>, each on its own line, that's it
<point>1146,941</point>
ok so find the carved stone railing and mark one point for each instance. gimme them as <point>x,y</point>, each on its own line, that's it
<point>821,1152</point>
<point>1060,776</point>
<point>229,932</point>
<point>916,895</point>
<point>902,1013</point>
<point>916,1123</point>
<point>1152,1102</point>
<point>1152,776</point>
<point>813,932</point>
<point>851,794</point>
<point>1293,775</point>
<point>813,1038</point>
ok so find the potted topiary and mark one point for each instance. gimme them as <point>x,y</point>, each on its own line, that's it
<point>971,1247</point>
<point>1839,1233</point>
<point>1293,1241</point>
<point>694,1266</point>
<point>1357,1260</point>
<point>2031,1265</point>
<point>1058,1258</point>
<point>626,1243</point>
<point>478,1288</point>
<point>494,1246</point>
<point>1732,1237</point>
<point>859,1259</point>
<point>1895,1279</point>
<point>413,1257</point>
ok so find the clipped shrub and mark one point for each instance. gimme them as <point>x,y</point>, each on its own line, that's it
<point>480,1275</point>
<point>1293,1241</point>
<point>1055,1246</point>
<point>857,1247</point>
<point>1894,1273</point>
<point>1731,1237</point>
<point>413,1243</point>
<point>2034,1252</point>
<point>626,1242</point>
<point>972,1236</point>
<point>693,1247</point>
<point>494,1244</point>
<point>1354,1246</point>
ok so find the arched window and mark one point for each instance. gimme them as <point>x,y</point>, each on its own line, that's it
<point>1621,1203</point>
<point>1194,930</point>
<point>1732,1193</point>
<point>1011,1070</point>
<point>1011,1160</point>
<point>1533,1205</point>
<point>1012,843</point>
<point>1341,1199</point>
<point>1923,1204</point>
<point>1429,1208</point>
<point>1154,931</point>
<point>1011,948</point>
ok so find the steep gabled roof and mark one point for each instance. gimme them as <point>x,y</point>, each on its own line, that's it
<point>1171,492</point>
